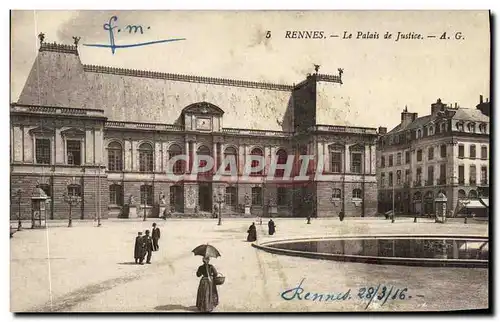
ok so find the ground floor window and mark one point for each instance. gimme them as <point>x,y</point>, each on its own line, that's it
<point>257,196</point>
<point>74,190</point>
<point>115,194</point>
<point>147,195</point>
<point>231,196</point>
<point>282,196</point>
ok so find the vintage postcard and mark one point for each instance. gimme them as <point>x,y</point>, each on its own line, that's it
<point>249,161</point>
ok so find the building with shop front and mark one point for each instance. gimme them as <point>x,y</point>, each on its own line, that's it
<point>107,135</point>
<point>446,151</point>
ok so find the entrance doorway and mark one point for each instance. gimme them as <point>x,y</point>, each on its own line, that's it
<point>177,198</point>
<point>205,197</point>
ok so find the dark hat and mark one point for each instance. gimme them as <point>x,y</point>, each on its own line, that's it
<point>147,231</point>
<point>154,224</point>
<point>140,233</point>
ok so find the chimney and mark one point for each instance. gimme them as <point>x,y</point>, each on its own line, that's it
<point>382,130</point>
<point>437,107</point>
<point>480,99</point>
<point>407,117</point>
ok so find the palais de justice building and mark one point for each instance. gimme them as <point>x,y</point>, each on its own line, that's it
<point>106,134</point>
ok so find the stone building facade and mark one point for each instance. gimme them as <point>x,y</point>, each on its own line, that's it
<point>107,135</point>
<point>446,151</point>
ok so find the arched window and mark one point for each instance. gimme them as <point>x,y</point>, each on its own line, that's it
<point>255,163</point>
<point>336,194</point>
<point>203,150</point>
<point>471,127</point>
<point>116,194</point>
<point>147,195</point>
<point>230,153</point>
<point>281,157</point>
<point>419,133</point>
<point>417,196</point>
<point>173,151</point>
<point>473,194</point>
<point>461,194</point>
<point>115,156</point>
<point>146,157</point>
<point>431,130</point>
<point>356,194</point>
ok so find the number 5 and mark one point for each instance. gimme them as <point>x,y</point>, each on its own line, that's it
<point>268,34</point>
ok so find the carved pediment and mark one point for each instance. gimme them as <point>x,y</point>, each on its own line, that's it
<point>336,146</point>
<point>73,132</point>
<point>42,131</point>
<point>357,147</point>
<point>203,108</point>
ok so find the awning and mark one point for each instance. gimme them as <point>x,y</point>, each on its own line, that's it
<point>485,202</point>
<point>474,204</point>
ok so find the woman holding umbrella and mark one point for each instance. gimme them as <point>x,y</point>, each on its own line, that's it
<point>207,297</point>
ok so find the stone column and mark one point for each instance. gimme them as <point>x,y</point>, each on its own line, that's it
<point>366,160</point>
<point>187,152</point>
<point>347,158</point>
<point>214,155</point>
<point>373,159</point>
<point>221,154</point>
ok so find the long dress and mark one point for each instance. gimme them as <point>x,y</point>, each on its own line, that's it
<point>271,227</point>
<point>252,233</point>
<point>208,297</point>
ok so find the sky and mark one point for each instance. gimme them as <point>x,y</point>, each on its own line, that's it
<point>380,76</point>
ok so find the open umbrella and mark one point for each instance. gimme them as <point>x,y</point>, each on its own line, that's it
<point>206,250</point>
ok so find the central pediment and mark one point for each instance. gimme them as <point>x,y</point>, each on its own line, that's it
<point>203,108</point>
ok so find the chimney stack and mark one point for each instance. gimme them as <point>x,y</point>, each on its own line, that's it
<point>480,99</point>
<point>407,117</point>
<point>382,130</point>
<point>437,107</point>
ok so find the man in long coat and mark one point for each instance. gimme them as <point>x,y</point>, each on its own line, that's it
<point>252,233</point>
<point>138,248</point>
<point>271,226</point>
<point>148,247</point>
<point>155,235</point>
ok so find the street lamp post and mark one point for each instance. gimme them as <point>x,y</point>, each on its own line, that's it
<point>71,201</point>
<point>466,202</point>
<point>219,199</point>
<point>144,216</point>
<point>99,196</point>
<point>393,207</point>
<point>18,195</point>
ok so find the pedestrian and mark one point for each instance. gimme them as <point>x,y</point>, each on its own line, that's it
<point>138,248</point>
<point>207,297</point>
<point>148,248</point>
<point>252,233</point>
<point>341,216</point>
<point>271,226</point>
<point>155,234</point>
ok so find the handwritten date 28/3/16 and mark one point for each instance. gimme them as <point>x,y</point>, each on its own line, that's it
<point>382,293</point>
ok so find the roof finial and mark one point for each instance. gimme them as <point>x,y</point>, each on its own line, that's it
<point>406,109</point>
<point>76,40</point>
<point>316,68</point>
<point>41,36</point>
<point>341,71</point>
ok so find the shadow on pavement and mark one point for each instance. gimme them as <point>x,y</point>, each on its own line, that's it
<point>173,307</point>
<point>128,263</point>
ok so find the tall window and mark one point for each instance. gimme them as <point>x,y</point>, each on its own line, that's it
<point>42,151</point>
<point>46,188</point>
<point>147,195</point>
<point>281,156</point>
<point>419,177</point>
<point>472,151</point>
<point>398,158</point>
<point>231,196</point>
<point>391,160</point>
<point>356,161</point>
<point>461,151</point>
<point>461,174</point>
<point>282,196</point>
<point>146,157</point>
<point>472,175</point>
<point>231,153</point>
<point>442,173</point>
<point>484,152</point>
<point>73,148</point>
<point>430,176</point>
<point>431,130</point>
<point>115,157</point>
<point>431,153</point>
<point>257,196</point>
<point>336,156</point>
<point>74,190</point>
<point>382,179</point>
<point>407,175</point>
<point>484,175</point>
<point>398,177</point>
<point>382,161</point>
<point>203,150</point>
<point>443,150</point>
<point>419,133</point>
<point>419,155</point>
<point>461,194</point>
<point>173,151</point>
<point>356,194</point>
<point>390,179</point>
<point>116,194</point>
<point>407,157</point>
<point>471,127</point>
<point>336,194</point>
<point>255,163</point>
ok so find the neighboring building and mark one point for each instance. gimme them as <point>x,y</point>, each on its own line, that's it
<point>446,151</point>
<point>106,134</point>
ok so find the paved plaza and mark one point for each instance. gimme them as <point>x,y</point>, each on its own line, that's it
<point>88,268</point>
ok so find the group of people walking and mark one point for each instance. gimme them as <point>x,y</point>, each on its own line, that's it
<point>252,230</point>
<point>146,245</point>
